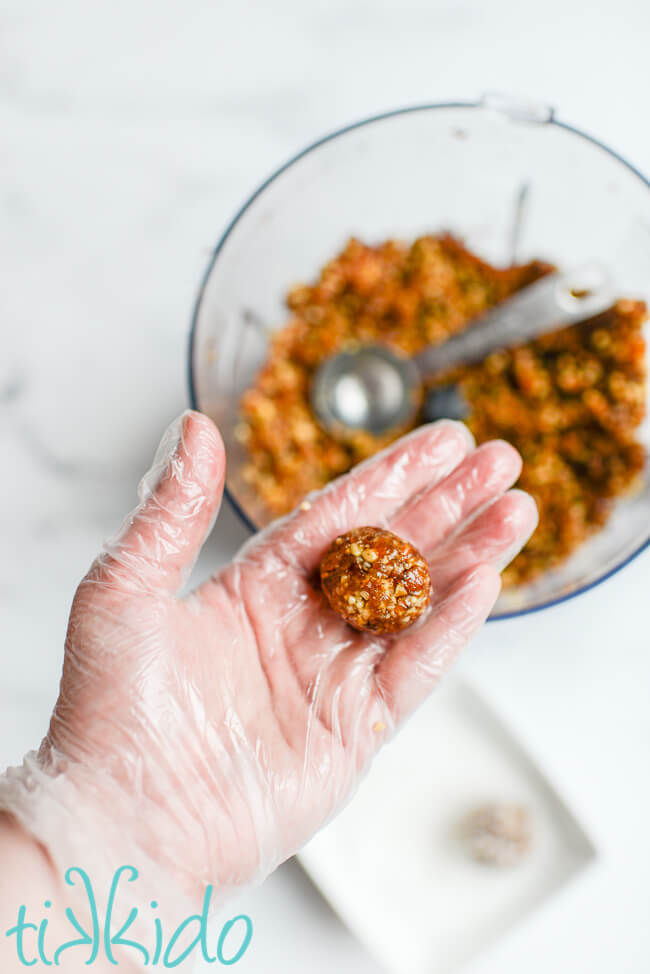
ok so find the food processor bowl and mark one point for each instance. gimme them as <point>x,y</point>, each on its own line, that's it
<point>507,177</point>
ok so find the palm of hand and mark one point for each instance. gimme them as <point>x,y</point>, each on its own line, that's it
<point>234,722</point>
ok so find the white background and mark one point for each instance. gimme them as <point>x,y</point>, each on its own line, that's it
<point>131,131</point>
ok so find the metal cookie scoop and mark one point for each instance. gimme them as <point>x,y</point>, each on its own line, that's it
<point>375,390</point>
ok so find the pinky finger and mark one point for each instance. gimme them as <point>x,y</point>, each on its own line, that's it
<point>415,663</point>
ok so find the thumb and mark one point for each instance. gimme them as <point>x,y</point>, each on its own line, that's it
<point>180,496</point>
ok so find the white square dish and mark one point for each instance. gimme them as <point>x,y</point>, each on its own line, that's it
<point>393,864</point>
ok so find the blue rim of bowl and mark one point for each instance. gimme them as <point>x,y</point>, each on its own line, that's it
<point>552,120</point>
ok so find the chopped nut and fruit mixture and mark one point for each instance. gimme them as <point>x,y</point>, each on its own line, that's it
<point>570,402</point>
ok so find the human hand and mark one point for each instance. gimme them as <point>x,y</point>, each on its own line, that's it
<point>213,734</point>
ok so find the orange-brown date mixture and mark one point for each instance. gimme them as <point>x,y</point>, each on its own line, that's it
<point>570,402</point>
<point>375,580</point>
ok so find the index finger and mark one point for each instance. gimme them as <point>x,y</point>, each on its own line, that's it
<point>370,493</point>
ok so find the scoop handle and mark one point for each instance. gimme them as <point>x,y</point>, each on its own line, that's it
<point>553,302</point>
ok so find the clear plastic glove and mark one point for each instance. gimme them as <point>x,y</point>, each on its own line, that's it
<point>206,738</point>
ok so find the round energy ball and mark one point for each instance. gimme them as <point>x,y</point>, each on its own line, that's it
<point>375,580</point>
<point>499,834</point>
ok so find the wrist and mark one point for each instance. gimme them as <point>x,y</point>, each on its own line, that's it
<point>22,853</point>
<point>33,900</point>
<point>54,905</point>
<point>76,831</point>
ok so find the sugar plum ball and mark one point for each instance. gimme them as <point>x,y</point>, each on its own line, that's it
<point>375,580</point>
<point>499,834</point>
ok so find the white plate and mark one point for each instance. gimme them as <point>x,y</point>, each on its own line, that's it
<point>392,864</point>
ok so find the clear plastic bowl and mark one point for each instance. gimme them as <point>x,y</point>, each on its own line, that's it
<point>508,178</point>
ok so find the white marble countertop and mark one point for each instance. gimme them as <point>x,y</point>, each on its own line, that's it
<point>132,131</point>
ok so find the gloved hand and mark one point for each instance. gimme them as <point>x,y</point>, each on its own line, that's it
<point>206,738</point>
